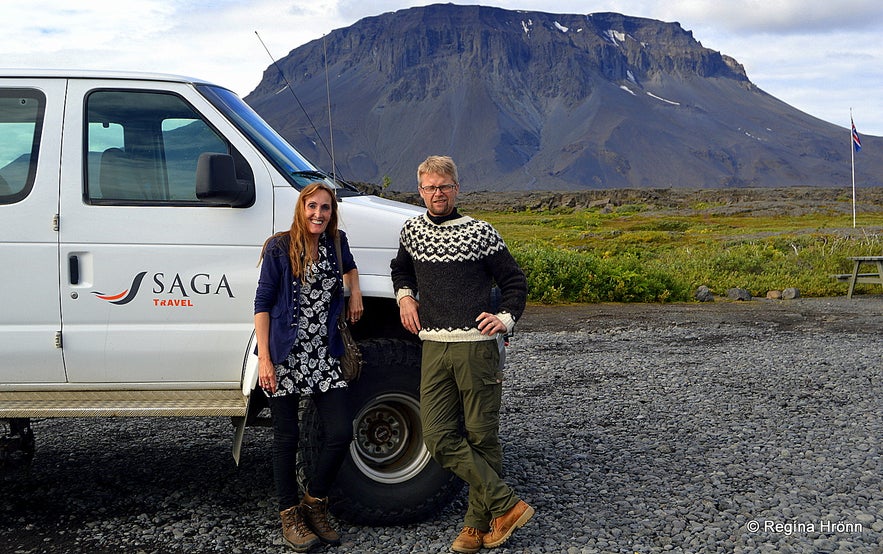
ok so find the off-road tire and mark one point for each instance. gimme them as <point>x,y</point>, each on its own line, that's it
<point>388,477</point>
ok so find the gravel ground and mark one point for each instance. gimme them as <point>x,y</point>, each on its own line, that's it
<point>724,427</point>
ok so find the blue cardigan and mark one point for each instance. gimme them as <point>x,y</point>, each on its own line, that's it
<point>276,296</point>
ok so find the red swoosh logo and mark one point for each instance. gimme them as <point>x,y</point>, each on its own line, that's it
<point>124,297</point>
<point>114,297</point>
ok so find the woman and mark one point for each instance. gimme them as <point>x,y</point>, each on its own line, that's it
<point>297,303</point>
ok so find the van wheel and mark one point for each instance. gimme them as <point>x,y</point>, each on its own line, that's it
<point>388,477</point>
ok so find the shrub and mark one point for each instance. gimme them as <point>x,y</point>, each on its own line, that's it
<point>633,256</point>
<point>557,275</point>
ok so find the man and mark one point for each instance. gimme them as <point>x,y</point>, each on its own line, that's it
<point>453,261</point>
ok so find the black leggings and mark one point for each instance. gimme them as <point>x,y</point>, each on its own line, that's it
<point>338,433</point>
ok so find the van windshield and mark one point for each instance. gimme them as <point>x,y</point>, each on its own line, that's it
<point>287,160</point>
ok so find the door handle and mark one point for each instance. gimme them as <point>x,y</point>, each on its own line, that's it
<point>74,269</point>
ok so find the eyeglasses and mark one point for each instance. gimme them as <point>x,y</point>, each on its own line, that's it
<point>432,189</point>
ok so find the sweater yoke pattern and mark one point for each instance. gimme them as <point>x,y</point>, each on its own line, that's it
<point>460,240</point>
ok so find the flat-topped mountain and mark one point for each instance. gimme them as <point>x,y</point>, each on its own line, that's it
<point>539,101</point>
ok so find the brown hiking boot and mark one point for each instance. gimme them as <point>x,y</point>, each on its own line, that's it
<point>469,540</point>
<point>295,531</point>
<point>315,512</point>
<point>502,527</point>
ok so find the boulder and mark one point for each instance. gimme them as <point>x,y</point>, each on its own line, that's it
<point>736,293</point>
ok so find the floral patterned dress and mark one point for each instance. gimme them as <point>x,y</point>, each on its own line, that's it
<point>310,368</point>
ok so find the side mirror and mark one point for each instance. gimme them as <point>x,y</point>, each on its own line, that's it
<point>216,182</point>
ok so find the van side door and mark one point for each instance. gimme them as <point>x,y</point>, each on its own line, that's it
<point>164,280</point>
<point>30,145</point>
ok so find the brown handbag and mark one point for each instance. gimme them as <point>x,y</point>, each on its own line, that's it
<point>351,360</point>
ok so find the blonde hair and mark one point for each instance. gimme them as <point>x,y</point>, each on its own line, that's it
<point>440,165</point>
<point>299,253</point>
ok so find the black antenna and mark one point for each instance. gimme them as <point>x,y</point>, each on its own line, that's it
<point>288,85</point>
<point>328,101</point>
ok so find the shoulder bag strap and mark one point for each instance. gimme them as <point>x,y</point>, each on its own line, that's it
<point>340,268</point>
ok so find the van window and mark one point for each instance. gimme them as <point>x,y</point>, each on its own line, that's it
<point>142,148</point>
<point>21,121</point>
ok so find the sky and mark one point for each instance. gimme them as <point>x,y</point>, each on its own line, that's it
<point>823,57</point>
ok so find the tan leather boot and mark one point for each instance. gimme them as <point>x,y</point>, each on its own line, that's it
<point>295,531</point>
<point>503,526</point>
<point>468,541</point>
<point>315,512</point>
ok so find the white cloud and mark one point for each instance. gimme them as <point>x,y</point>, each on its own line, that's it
<point>208,39</point>
<point>780,16</point>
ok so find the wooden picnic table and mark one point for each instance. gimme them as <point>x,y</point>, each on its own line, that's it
<point>872,277</point>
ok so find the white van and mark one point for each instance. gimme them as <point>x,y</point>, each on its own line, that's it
<point>132,212</point>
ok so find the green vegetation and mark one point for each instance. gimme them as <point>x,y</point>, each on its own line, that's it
<point>629,255</point>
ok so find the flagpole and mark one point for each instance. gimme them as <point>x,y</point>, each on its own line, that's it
<point>852,153</point>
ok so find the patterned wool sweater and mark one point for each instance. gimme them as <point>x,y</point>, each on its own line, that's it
<point>451,267</point>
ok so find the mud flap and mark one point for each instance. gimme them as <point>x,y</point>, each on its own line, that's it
<point>238,434</point>
<point>249,380</point>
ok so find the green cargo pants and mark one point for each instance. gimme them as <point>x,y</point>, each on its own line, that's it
<point>464,379</point>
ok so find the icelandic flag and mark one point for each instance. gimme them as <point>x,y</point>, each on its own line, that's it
<point>856,142</point>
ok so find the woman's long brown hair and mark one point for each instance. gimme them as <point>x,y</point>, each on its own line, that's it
<point>298,252</point>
